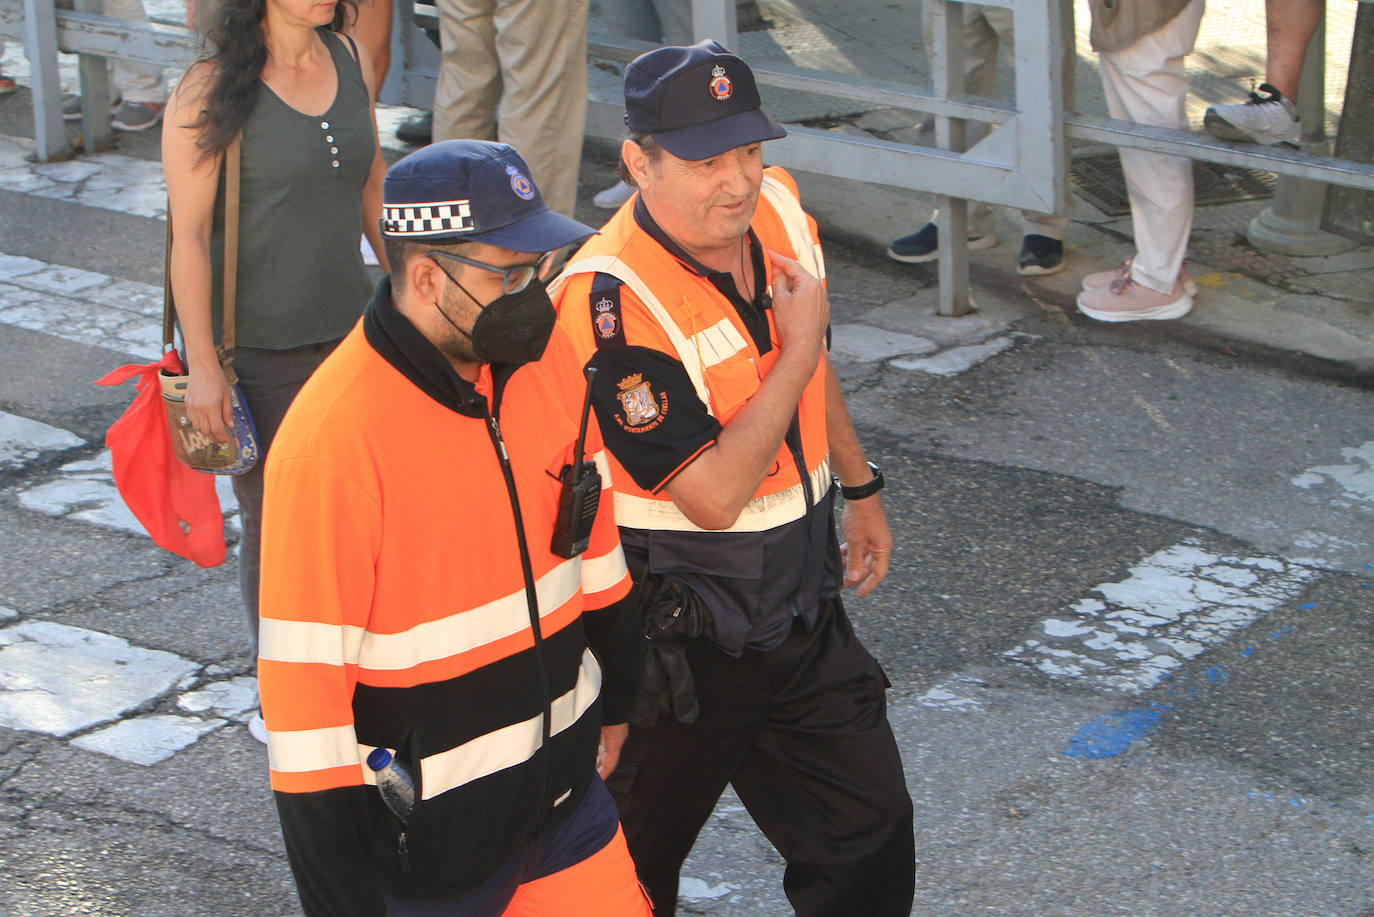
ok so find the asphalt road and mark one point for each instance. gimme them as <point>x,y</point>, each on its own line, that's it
<point>1127,623</point>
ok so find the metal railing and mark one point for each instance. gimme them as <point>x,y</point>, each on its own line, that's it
<point>1020,165</point>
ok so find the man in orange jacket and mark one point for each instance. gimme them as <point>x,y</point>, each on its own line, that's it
<point>422,606</point>
<point>701,305</point>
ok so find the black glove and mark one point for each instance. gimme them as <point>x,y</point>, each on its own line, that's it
<point>672,614</point>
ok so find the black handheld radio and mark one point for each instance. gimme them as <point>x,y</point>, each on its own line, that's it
<point>581,492</point>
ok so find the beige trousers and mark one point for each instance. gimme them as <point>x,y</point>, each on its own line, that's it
<point>985,31</point>
<point>516,71</point>
<point>1145,83</point>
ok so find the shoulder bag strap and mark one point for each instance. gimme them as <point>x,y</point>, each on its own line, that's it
<point>231,259</point>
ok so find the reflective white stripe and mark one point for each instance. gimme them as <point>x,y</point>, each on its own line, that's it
<point>305,641</point>
<point>759,514</point>
<point>793,218</point>
<point>603,468</point>
<point>308,641</point>
<point>512,744</point>
<point>688,353</point>
<point>312,749</point>
<point>718,343</point>
<point>603,572</point>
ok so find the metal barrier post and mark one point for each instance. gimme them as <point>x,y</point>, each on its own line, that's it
<point>40,46</point>
<point>1291,225</point>
<point>718,19</point>
<point>96,132</point>
<point>951,219</point>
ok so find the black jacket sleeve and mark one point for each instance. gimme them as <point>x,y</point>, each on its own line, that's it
<point>333,875</point>
<point>616,636</point>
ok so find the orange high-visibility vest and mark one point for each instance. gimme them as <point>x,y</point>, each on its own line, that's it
<point>680,313</point>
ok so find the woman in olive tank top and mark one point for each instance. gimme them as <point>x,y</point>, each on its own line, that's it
<point>280,74</point>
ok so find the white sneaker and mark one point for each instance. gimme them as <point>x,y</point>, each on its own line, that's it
<point>1270,119</point>
<point>257,728</point>
<point>1124,300</point>
<point>613,197</point>
<point>1099,279</point>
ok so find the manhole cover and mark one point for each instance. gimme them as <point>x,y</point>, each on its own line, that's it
<point>1099,181</point>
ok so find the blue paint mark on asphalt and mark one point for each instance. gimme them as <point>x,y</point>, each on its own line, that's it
<point>1112,733</point>
<point>1217,675</point>
<point>1279,633</point>
<point>1248,652</point>
<point>1307,606</point>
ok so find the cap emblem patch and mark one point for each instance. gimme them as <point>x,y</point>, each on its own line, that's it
<point>720,84</point>
<point>521,185</point>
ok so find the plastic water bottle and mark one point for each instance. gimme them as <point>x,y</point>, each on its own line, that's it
<point>394,783</point>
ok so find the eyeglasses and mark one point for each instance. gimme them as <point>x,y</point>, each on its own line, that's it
<point>513,279</point>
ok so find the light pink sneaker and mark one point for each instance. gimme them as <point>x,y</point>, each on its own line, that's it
<point>1099,279</point>
<point>1124,300</point>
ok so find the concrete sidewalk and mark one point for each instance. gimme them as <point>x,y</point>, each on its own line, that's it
<point>1313,311</point>
<point>1316,312</point>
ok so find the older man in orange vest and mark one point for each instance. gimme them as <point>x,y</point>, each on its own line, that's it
<point>702,306</point>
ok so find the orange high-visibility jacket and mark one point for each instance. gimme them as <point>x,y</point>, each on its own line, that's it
<point>399,597</point>
<point>680,313</point>
<point>667,307</point>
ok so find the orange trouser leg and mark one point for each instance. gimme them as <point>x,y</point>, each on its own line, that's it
<point>602,885</point>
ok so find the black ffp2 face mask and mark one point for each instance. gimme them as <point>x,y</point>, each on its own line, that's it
<point>513,327</point>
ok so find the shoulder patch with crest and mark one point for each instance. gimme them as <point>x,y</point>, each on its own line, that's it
<point>641,408</point>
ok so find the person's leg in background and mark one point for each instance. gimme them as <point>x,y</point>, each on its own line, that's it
<point>269,381</point>
<point>542,49</point>
<point>1145,83</point>
<point>468,90</point>
<point>1042,234</point>
<point>139,90</point>
<point>142,86</point>
<point>981,42</point>
<point>1272,118</point>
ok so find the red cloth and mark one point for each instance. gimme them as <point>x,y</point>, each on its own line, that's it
<point>177,505</point>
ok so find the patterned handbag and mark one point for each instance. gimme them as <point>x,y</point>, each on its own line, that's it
<point>192,447</point>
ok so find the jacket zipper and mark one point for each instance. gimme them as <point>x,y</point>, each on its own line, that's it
<point>531,596</point>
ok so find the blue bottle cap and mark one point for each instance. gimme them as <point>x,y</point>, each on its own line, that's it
<point>378,758</point>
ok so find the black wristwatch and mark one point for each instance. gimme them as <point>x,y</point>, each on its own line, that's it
<point>863,490</point>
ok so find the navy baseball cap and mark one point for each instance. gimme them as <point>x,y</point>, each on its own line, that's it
<point>697,101</point>
<point>472,191</point>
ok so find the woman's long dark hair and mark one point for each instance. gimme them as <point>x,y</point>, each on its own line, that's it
<point>237,55</point>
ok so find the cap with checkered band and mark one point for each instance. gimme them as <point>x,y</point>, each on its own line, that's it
<point>472,191</point>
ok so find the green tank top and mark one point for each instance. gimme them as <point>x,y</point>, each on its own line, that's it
<point>301,278</point>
